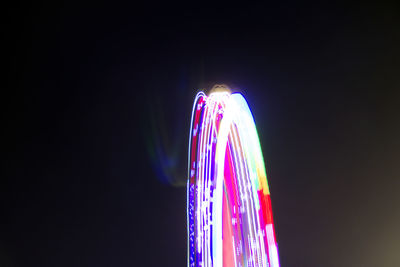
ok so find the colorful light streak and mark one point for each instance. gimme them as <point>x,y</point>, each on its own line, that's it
<point>229,207</point>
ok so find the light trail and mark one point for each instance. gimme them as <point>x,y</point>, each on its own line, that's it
<point>229,210</point>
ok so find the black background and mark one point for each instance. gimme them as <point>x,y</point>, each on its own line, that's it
<point>96,105</point>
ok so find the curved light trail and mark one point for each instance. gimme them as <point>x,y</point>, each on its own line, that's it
<point>229,207</point>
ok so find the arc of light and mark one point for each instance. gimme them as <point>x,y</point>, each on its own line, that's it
<point>237,127</point>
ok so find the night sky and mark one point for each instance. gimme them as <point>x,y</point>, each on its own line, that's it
<point>96,103</point>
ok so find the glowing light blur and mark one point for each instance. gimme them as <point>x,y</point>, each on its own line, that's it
<point>229,207</point>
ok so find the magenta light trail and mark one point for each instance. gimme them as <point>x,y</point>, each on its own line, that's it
<point>229,207</point>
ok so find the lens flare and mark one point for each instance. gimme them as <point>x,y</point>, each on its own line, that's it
<point>229,207</point>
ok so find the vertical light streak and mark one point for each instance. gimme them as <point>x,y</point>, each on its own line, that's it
<point>223,135</point>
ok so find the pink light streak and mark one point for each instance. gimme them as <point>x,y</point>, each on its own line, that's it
<point>229,206</point>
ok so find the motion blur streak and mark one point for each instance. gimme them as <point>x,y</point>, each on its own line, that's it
<point>229,210</point>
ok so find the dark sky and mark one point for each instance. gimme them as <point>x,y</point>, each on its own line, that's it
<point>96,105</point>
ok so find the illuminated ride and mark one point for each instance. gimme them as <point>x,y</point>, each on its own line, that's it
<point>229,207</point>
